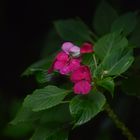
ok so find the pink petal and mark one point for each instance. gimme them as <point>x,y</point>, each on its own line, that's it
<point>65,70</point>
<point>74,64</point>
<point>62,56</point>
<point>75,51</point>
<point>82,73</point>
<point>66,47</point>
<point>58,65</point>
<point>87,48</point>
<point>82,87</point>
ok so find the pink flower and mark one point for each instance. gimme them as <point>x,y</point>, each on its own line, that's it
<point>67,46</point>
<point>82,79</point>
<point>71,66</point>
<point>82,73</point>
<point>62,56</point>
<point>60,61</point>
<point>82,87</point>
<point>86,48</point>
<point>71,49</point>
<point>65,64</point>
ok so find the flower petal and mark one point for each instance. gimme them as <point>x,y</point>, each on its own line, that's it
<point>75,51</point>
<point>72,65</point>
<point>82,73</point>
<point>58,65</point>
<point>62,56</point>
<point>82,87</point>
<point>67,46</point>
<point>86,48</point>
<point>65,70</point>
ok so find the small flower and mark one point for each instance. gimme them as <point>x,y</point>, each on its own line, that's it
<point>62,56</point>
<point>71,49</point>
<point>67,46</point>
<point>82,73</point>
<point>82,87</point>
<point>82,79</point>
<point>70,66</point>
<point>86,48</point>
<point>65,64</point>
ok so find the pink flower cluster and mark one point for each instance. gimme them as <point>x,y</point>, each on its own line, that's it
<point>68,62</point>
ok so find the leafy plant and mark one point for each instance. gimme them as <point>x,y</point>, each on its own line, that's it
<point>56,109</point>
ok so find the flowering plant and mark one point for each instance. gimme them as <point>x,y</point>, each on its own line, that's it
<point>74,80</point>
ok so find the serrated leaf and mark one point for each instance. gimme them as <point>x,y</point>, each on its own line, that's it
<point>25,115</point>
<point>104,17</point>
<point>108,84</point>
<point>114,65</point>
<point>127,22</point>
<point>73,30</point>
<point>45,98</point>
<point>43,133</point>
<point>108,43</point>
<point>84,108</point>
<point>120,66</point>
<point>115,56</point>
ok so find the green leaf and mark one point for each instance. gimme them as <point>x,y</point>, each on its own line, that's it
<point>56,115</point>
<point>84,108</point>
<point>115,56</point>
<point>114,65</point>
<point>108,84</point>
<point>45,98</point>
<point>108,43</point>
<point>73,30</point>
<point>127,22</point>
<point>43,64</point>
<point>50,132</point>
<point>43,133</point>
<point>120,65</point>
<point>25,115</point>
<point>104,17</point>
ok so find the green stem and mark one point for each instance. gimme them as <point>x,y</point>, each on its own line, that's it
<point>95,61</point>
<point>119,124</point>
<point>64,102</point>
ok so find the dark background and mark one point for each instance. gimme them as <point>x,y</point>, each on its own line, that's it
<point>23,28</point>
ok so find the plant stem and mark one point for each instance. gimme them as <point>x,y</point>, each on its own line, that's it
<point>64,102</point>
<point>94,58</point>
<point>119,124</point>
